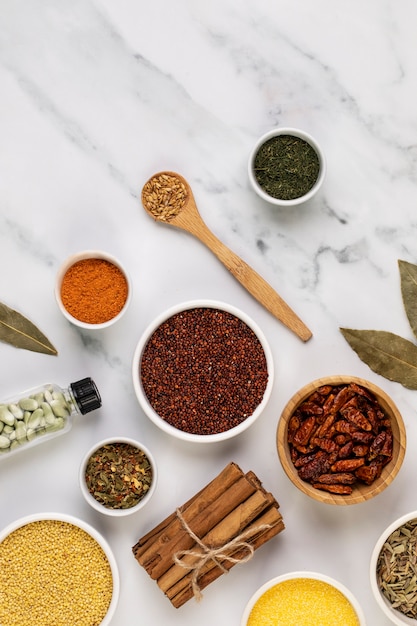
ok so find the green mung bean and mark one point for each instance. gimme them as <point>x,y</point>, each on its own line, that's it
<point>31,417</point>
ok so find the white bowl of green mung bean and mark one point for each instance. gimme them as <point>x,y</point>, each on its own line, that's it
<point>286,167</point>
<point>118,476</point>
<point>393,570</point>
<point>56,569</point>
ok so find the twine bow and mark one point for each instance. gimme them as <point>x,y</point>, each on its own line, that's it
<point>214,554</point>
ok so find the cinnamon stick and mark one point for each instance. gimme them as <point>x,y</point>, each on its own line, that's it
<point>183,592</point>
<point>158,559</point>
<point>230,527</point>
<point>220,525</point>
<point>148,545</point>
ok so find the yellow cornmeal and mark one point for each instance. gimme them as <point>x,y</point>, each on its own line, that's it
<point>53,573</point>
<point>303,602</point>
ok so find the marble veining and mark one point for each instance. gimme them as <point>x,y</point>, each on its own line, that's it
<point>96,96</point>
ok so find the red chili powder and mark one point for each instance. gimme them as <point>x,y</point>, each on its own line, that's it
<point>94,290</point>
<point>204,371</point>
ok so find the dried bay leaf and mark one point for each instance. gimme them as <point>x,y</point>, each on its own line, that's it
<point>408,275</point>
<point>385,353</point>
<point>20,332</point>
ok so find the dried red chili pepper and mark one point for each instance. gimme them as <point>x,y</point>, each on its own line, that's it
<point>338,437</point>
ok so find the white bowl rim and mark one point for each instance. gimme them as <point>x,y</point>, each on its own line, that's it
<point>97,505</point>
<point>75,521</point>
<point>81,256</point>
<point>395,616</point>
<point>296,132</point>
<point>143,401</point>
<point>303,574</point>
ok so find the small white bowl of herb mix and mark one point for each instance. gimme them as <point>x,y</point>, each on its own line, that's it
<point>393,570</point>
<point>286,167</point>
<point>118,476</point>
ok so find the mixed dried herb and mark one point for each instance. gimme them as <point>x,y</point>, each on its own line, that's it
<point>286,167</point>
<point>386,353</point>
<point>118,475</point>
<point>397,569</point>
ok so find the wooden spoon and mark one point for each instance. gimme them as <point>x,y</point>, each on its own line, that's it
<point>167,197</point>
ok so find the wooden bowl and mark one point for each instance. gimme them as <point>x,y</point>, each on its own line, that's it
<point>361,491</point>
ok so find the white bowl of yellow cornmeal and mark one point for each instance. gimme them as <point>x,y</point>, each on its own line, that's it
<point>303,599</point>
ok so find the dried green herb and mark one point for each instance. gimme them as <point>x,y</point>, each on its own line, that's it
<point>396,569</point>
<point>408,274</point>
<point>286,167</point>
<point>385,353</point>
<point>18,331</point>
<point>118,475</point>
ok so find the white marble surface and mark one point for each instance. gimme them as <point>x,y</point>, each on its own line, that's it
<point>96,96</point>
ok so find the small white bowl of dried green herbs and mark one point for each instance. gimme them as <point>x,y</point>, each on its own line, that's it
<point>393,570</point>
<point>286,167</point>
<point>118,476</point>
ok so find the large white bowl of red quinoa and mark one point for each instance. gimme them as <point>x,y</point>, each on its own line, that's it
<point>63,571</point>
<point>203,371</point>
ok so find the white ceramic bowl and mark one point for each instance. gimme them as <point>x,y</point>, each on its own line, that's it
<point>98,506</point>
<point>90,531</point>
<point>149,410</point>
<point>80,256</point>
<point>298,575</point>
<point>301,135</point>
<point>394,615</point>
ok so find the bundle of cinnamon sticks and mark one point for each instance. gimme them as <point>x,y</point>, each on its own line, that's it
<point>220,526</point>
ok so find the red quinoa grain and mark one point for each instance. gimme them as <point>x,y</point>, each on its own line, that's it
<point>204,371</point>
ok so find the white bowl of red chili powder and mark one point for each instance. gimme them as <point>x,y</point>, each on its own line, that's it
<point>55,568</point>
<point>303,598</point>
<point>203,371</point>
<point>93,289</point>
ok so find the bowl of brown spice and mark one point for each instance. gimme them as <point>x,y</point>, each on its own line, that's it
<point>203,371</point>
<point>341,440</point>
<point>118,476</point>
<point>393,570</point>
<point>286,167</point>
<point>93,289</point>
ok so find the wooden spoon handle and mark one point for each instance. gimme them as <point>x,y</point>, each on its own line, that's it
<point>252,281</point>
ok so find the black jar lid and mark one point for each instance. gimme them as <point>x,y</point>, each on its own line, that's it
<point>86,395</point>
